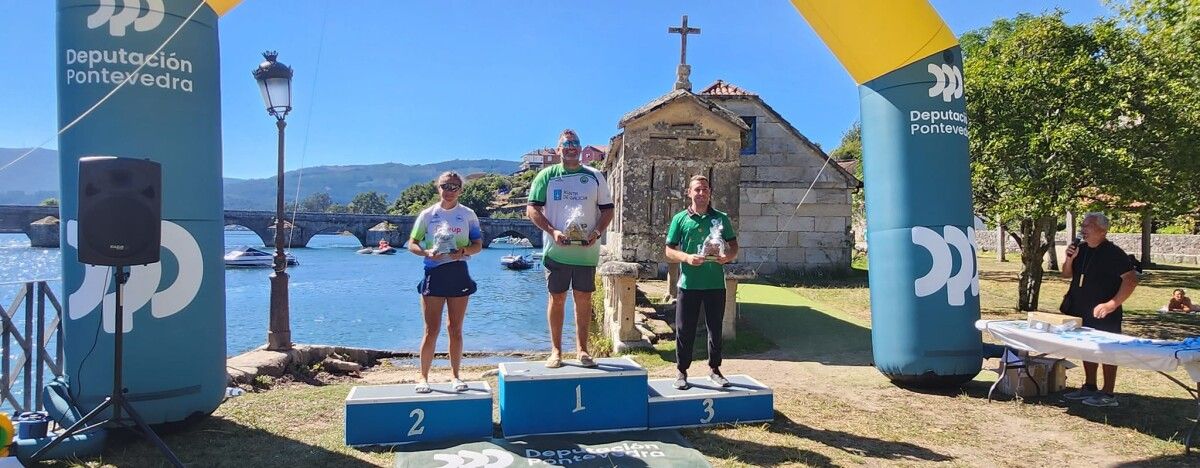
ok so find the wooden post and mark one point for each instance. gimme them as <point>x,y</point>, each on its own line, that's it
<point>1000,242</point>
<point>1147,227</point>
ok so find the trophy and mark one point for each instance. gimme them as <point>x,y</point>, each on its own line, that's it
<point>443,239</point>
<point>576,228</point>
<point>713,246</point>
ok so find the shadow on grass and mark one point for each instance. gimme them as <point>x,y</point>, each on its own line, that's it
<point>1167,419</point>
<point>219,442</point>
<point>712,444</point>
<point>1166,460</point>
<point>806,334</point>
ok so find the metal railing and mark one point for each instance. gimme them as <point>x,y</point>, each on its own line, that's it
<point>33,331</point>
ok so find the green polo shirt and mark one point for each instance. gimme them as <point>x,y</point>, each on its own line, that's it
<point>688,230</point>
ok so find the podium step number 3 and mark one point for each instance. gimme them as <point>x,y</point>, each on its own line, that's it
<point>572,399</point>
<point>704,403</point>
<point>397,414</point>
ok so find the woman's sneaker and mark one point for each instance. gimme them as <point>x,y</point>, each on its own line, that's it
<point>1084,392</point>
<point>1102,400</point>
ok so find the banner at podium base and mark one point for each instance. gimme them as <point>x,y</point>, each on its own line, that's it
<point>657,448</point>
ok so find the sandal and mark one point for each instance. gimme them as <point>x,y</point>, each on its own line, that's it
<point>555,361</point>
<point>458,385</point>
<point>586,361</point>
<point>422,387</point>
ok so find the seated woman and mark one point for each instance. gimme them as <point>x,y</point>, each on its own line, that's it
<point>384,247</point>
<point>1180,303</point>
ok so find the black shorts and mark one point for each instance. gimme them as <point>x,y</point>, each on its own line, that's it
<point>560,277</point>
<point>447,280</point>
<point>1110,323</point>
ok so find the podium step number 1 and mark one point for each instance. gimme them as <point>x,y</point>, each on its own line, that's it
<point>572,399</point>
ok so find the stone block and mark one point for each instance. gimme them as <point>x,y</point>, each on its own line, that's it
<point>781,174</point>
<point>791,255</point>
<point>798,223</point>
<point>758,223</point>
<point>749,209</point>
<point>831,224</point>
<point>758,195</point>
<point>754,255</point>
<point>790,195</point>
<point>820,257</point>
<point>748,172</point>
<point>822,210</point>
<point>779,209</point>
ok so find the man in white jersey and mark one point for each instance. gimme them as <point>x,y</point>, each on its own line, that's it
<point>571,204</point>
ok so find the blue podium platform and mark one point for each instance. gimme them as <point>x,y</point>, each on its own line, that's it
<point>705,404</point>
<point>572,399</point>
<point>397,414</point>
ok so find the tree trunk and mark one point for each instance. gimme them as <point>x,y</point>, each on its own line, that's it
<point>1051,252</point>
<point>1032,250</point>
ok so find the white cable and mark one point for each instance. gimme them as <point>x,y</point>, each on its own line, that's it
<point>788,224</point>
<point>128,77</point>
<point>308,125</point>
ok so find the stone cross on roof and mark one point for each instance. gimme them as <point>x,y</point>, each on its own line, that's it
<point>684,70</point>
<point>683,31</point>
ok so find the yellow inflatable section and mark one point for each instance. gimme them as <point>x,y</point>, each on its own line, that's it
<point>873,37</point>
<point>222,6</point>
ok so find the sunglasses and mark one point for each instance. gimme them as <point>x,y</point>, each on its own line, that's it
<point>569,144</point>
<point>450,187</point>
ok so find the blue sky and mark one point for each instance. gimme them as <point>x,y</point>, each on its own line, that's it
<point>417,82</point>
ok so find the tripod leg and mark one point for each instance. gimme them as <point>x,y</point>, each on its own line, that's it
<point>73,429</point>
<point>149,433</point>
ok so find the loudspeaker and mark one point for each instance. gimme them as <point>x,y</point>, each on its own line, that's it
<point>120,211</point>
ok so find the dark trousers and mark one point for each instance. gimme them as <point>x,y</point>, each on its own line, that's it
<point>687,317</point>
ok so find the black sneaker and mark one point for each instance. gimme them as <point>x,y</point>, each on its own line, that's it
<point>681,382</point>
<point>1085,392</point>
<point>718,379</point>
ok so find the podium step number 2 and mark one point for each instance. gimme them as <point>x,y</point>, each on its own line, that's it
<point>397,414</point>
<point>572,399</point>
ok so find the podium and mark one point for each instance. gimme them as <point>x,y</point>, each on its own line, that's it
<point>397,414</point>
<point>705,403</point>
<point>572,399</point>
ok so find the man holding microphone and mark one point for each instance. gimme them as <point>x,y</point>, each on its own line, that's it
<point>1102,278</point>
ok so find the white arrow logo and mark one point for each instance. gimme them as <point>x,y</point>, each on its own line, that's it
<point>949,81</point>
<point>480,459</point>
<point>142,287</point>
<point>131,14</point>
<point>939,275</point>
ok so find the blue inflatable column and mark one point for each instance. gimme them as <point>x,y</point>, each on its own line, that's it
<point>920,235</point>
<point>168,110</point>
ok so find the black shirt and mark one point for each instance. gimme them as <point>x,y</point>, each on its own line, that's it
<point>1099,270</point>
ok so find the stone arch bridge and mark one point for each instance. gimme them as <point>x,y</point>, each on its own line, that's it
<point>21,219</point>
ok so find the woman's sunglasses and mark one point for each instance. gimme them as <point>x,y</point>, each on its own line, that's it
<point>450,187</point>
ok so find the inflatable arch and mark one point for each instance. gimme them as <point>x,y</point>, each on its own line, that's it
<point>924,283</point>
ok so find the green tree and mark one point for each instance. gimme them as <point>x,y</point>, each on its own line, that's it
<point>316,203</point>
<point>414,199</point>
<point>850,147</point>
<point>337,209</point>
<point>478,196</point>
<point>368,202</point>
<point>49,202</point>
<point>1036,94</point>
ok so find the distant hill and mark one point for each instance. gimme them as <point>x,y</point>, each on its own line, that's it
<point>35,178</point>
<point>343,182</point>
<point>30,180</point>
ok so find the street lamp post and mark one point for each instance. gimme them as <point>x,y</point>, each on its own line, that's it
<point>275,83</point>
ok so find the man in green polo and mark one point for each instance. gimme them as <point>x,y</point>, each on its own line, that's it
<point>701,278</point>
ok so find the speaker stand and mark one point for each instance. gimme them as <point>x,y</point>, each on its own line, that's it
<point>116,399</point>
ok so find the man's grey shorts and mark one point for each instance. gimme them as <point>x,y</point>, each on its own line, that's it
<point>560,277</point>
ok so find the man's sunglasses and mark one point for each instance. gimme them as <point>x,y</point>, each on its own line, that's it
<point>450,187</point>
<point>569,144</point>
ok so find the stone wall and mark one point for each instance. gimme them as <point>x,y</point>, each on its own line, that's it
<point>1166,248</point>
<point>772,232</point>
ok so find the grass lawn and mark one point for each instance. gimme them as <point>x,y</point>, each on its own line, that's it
<point>810,341</point>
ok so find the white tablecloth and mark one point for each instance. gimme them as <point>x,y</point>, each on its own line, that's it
<point>1091,345</point>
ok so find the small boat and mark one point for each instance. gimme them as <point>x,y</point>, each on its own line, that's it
<point>516,262</point>
<point>378,251</point>
<point>251,257</point>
